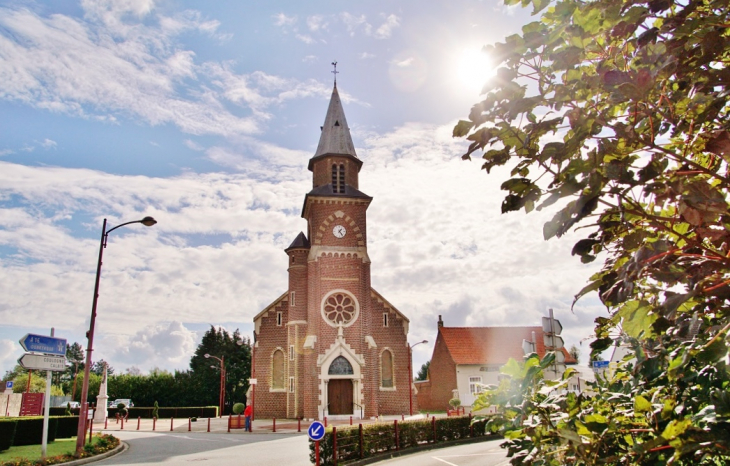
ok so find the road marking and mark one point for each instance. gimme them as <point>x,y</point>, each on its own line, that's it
<point>443,461</point>
<point>460,456</point>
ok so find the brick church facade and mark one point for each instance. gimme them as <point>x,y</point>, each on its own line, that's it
<point>331,345</point>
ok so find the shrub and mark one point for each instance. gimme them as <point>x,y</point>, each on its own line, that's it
<point>238,408</point>
<point>455,403</point>
<point>30,431</point>
<point>156,411</point>
<point>67,426</point>
<point>379,438</point>
<point>7,433</point>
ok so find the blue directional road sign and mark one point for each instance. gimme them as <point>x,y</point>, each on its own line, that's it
<point>599,365</point>
<point>316,431</point>
<point>43,344</point>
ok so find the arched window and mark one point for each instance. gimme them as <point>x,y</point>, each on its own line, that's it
<point>386,369</point>
<point>278,374</point>
<point>340,366</point>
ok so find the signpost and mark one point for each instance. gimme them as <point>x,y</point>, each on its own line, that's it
<point>316,433</point>
<point>43,344</point>
<point>42,362</point>
<point>8,385</point>
<point>51,359</point>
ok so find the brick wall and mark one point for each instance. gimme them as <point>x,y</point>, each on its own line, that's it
<point>442,378</point>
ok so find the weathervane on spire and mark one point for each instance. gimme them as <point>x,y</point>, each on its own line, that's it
<point>334,63</point>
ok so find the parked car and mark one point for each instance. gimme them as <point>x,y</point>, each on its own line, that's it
<point>125,401</point>
<point>74,404</point>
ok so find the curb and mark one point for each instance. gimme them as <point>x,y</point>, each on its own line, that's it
<point>115,451</point>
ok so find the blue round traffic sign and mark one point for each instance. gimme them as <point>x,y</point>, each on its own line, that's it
<point>316,431</point>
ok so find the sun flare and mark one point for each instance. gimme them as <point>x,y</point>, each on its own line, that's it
<point>474,69</point>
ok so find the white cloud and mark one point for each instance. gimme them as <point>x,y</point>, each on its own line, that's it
<point>9,352</point>
<point>6,152</point>
<point>193,145</point>
<point>316,23</point>
<point>49,143</point>
<point>309,59</point>
<point>366,56</point>
<point>386,29</point>
<point>305,38</point>
<point>354,23</point>
<point>280,19</point>
<point>437,242</point>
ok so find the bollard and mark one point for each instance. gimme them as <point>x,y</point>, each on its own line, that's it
<point>106,422</point>
<point>122,423</point>
<point>91,428</point>
<point>139,420</point>
<point>208,424</point>
<point>402,417</point>
<point>171,419</point>
<point>190,425</point>
<point>154,421</point>
<point>299,425</point>
<point>350,420</point>
<point>325,422</point>
<point>274,429</point>
<point>229,423</point>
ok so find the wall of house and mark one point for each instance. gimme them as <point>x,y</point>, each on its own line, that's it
<point>442,375</point>
<point>487,375</point>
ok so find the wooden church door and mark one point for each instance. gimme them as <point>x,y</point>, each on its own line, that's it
<point>339,396</point>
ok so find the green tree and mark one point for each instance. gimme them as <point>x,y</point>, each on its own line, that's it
<point>98,368</point>
<point>235,350</point>
<point>616,113</point>
<point>423,372</point>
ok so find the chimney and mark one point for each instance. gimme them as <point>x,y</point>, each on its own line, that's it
<point>441,322</point>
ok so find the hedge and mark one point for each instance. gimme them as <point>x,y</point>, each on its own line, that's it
<point>7,433</point>
<point>364,441</point>
<point>67,426</point>
<point>30,431</point>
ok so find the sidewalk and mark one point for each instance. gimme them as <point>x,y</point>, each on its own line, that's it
<point>220,425</point>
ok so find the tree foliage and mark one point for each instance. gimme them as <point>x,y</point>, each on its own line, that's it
<point>423,371</point>
<point>235,350</point>
<point>616,113</point>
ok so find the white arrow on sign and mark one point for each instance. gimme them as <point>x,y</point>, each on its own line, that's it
<point>42,362</point>
<point>557,328</point>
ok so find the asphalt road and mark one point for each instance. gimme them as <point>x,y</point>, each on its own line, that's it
<point>147,448</point>
<point>268,449</point>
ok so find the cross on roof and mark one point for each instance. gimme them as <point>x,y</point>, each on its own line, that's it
<point>334,63</point>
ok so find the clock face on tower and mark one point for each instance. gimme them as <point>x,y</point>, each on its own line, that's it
<point>339,231</point>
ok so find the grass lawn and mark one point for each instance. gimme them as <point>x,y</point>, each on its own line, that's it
<point>65,446</point>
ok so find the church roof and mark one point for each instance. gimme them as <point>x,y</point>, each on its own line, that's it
<point>335,137</point>
<point>492,345</point>
<point>300,242</point>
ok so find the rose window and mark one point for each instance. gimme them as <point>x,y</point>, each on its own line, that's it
<point>340,309</point>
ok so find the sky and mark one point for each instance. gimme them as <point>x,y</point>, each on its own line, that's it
<point>204,115</point>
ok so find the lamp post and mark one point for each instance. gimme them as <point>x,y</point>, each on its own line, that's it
<point>410,373</point>
<point>83,410</point>
<point>222,394</point>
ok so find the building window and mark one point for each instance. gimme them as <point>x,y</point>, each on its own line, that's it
<point>386,369</point>
<point>340,308</point>
<point>291,352</point>
<point>475,385</point>
<point>340,366</point>
<point>278,373</point>
<point>291,384</point>
<point>385,319</point>
<point>292,300</point>
<point>278,319</point>
<point>338,178</point>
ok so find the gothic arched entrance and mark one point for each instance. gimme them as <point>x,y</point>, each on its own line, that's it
<point>340,387</point>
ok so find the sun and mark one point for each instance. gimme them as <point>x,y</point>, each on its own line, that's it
<point>473,69</point>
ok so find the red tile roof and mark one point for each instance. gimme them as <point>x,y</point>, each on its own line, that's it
<point>492,345</point>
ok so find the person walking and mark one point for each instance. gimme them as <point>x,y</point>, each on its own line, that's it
<point>247,414</point>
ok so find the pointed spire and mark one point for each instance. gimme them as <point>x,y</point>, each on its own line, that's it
<point>335,137</point>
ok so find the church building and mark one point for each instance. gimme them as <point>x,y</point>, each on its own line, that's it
<point>331,345</point>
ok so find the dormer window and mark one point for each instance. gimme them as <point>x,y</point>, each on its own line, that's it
<point>338,178</point>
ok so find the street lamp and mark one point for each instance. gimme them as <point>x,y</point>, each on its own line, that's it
<point>410,372</point>
<point>84,409</point>
<point>222,394</point>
